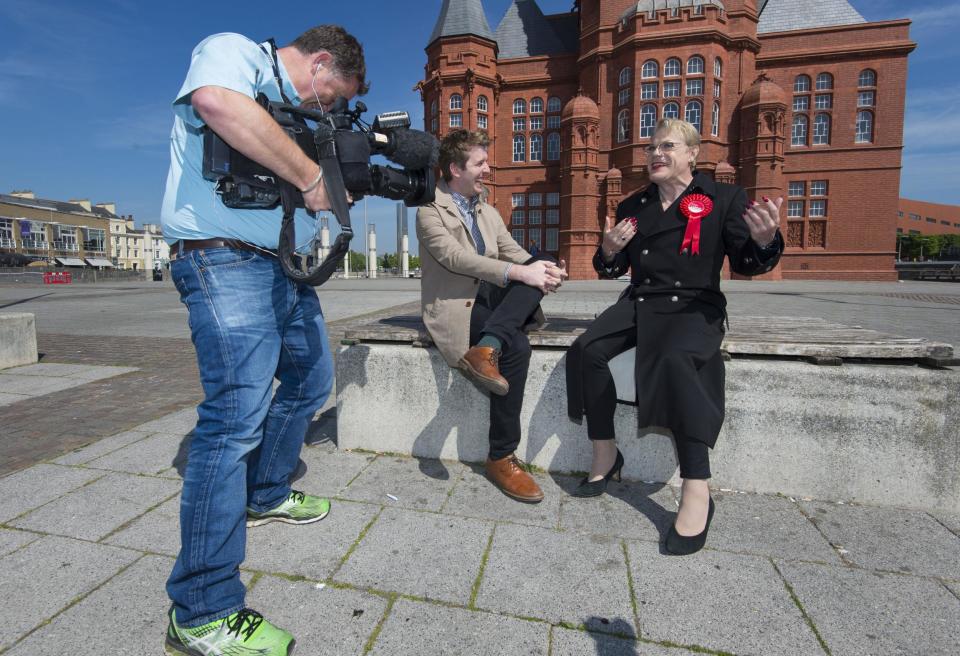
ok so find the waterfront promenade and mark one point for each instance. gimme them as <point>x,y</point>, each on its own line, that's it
<point>424,556</point>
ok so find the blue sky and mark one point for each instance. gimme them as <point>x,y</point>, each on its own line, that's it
<point>86,86</point>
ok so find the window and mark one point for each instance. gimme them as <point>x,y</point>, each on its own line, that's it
<point>695,65</point>
<point>717,67</point>
<point>648,121</point>
<point>930,219</point>
<point>623,125</point>
<point>456,120</point>
<point>456,101</point>
<point>648,90</point>
<point>821,130</point>
<point>626,75</point>
<point>553,104</point>
<point>695,87</point>
<point>6,233</point>
<point>866,98</point>
<point>536,123</point>
<point>519,106</point>
<point>914,217</point>
<point>801,84</point>
<point>553,146</point>
<point>671,110</point>
<point>482,121</point>
<point>671,68</point>
<point>867,78</point>
<point>946,223</point>
<point>535,217</point>
<point>650,69</point>
<point>801,103</point>
<point>553,216</point>
<point>795,209</point>
<point>482,103</point>
<point>534,238</point>
<point>693,114</point>
<point>716,88</point>
<point>552,241</point>
<point>671,89</point>
<point>798,131</point>
<point>519,149</point>
<point>824,81</point>
<point>517,234</point>
<point>519,124</point>
<point>797,188</point>
<point>818,188</point>
<point>434,125</point>
<point>553,198</point>
<point>536,199</point>
<point>715,120</point>
<point>623,96</point>
<point>433,107</point>
<point>864,132</point>
<point>516,217</point>
<point>536,106</point>
<point>518,200</point>
<point>823,101</point>
<point>818,208</point>
<point>536,148</point>
<point>553,122</point>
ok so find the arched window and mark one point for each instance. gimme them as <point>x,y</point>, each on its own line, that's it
<point>801,84</point>
<point>650,69</point>
<point>821,130</point>
<point>824,81</point>
<point>536,106</point>
<point>456,101</point>
<point>536,148</point>
<point>864,132</point>
<point>648,121</point>
<point>553,146</point>
<point>671,68</point>
<point>519,106</point>
<point>519,148</point>
<point>717,67</point>
<point>715,120</point>
<point>433,107</point>
<point>867,78</point>
<point>671,110</point>
<point>482,103</point>
<point>798,132</point>
<point>626,75</point>
<point>695,65</point>
<point>693,114</point>
<point>623,125</point>
<point>553,104</point>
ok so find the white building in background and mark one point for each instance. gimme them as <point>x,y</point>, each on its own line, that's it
<point>137,249</point>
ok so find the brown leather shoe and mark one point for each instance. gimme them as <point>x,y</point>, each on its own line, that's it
<point>481,363</point>
<point>509,475</point>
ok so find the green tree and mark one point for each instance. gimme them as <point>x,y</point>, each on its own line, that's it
<point>358,262</point>
<point>414,261</point>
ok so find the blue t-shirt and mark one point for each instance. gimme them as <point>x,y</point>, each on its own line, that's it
<point>191,208</point>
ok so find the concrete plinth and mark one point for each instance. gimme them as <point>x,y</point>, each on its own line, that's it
<point>18,339</point>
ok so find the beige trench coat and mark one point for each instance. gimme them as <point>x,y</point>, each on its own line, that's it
<point>452,269</point>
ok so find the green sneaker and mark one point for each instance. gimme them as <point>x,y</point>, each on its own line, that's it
<point>244,633</point>
<point>299,508</point>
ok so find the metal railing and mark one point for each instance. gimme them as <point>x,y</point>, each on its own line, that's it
<point>66,246</point>
<point>8,243</point>
<point>36,244</point>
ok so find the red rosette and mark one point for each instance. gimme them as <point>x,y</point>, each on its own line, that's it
<point>694,207</point>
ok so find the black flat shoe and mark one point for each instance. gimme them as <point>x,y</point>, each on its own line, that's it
<point>684,545</point>
<point>588,488</point>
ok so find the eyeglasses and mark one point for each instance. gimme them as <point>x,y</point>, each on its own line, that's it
<point>663,147</point>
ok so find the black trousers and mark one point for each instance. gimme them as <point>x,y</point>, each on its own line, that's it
<point>504,312</point>
<point>600,402</point>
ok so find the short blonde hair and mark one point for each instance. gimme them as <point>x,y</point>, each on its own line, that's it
<point>690,134</point>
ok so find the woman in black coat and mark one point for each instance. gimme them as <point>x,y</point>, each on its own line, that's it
<point>673,237</point>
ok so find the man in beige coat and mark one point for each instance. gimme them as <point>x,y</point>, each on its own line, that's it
<point>480,292</point>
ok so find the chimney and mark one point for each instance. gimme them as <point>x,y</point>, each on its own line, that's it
<point>82,202</point>
<point>24,193</point>
<point>110,207</point>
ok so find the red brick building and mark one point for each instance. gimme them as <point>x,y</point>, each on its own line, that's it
<point>916,217</point>
<point>798,98</point>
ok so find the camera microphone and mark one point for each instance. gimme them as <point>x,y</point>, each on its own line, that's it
<point>410,149</point>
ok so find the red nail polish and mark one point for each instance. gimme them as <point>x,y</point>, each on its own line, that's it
<point>765,199</point>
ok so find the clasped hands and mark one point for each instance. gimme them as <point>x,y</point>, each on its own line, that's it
<point>544,275</point>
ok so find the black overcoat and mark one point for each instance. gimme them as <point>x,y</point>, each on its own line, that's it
<point>675,302</point>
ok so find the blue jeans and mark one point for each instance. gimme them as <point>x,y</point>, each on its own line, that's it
<point>249,324</point>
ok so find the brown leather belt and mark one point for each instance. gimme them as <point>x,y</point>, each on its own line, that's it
<point>184,245</point>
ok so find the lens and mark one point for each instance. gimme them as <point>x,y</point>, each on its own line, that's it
<point>412,187</point>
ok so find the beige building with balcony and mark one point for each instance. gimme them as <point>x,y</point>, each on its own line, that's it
<point>137,249</point>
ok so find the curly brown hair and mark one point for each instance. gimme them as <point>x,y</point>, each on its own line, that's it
<point>455,149</point>
<point>346,51</point>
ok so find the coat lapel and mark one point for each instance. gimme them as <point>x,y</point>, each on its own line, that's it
<point>653,221</point>
<point>444,198</point>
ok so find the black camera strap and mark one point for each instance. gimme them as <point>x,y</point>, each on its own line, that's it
<point>276,66</point>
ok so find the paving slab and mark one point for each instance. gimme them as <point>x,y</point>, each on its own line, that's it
<point>767,526</point>
<point>567,642</point>
<point>629,509</point>
<point>100,447</point>
<point>45,576</point>
<point>889,538</point>
<point>954,587</point>
<point>31,488</point>
<point>325,622</point>
<point>950,520</point>
<point>35,385</point>
<point>717,600</point>
<point>157,531</point>
<point>422,484</point>
<point>422,554</point>
<point>152,455</point>
<point>133,601</point>
<point>416,628</point>
<point>51,369</point>
<point>312,550</point>
<point>557,576</point>
<point>6,398</point>
<point>95,510</point>
<point>476,496</point>
<point>862,612</point>
<point>179,422</point>
<point>11,540</point>
<point>99,373</point>
<point>326,473</point>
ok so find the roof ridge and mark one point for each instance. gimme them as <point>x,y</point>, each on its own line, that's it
<point>459,17</point>
<point>524,31</point>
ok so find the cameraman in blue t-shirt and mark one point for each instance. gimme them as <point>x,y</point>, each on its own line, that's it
<point>250,323</point>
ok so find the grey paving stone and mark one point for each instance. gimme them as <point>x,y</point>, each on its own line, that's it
<point>567,642</point>
<point>717,600</point>
<point>629,509</point>
<point>151,455</point>
<point>133,601</point>
<point>92,512</point>
<point>422,554</point>
<point>955,587</point>
<point>326,473</point>
<point>99,373</point>
<point>6,398</point>
<point>45,576</point>
<point>557,576</point>
<point>415,628</point>
<point>30,488</point>
<point>768,526</point>
<point>12,540</point>
<point>861,612</point>
<point>52,369</point>
<point>158,531</point>
<point>35,385</point>
<point>100,448</point>
<point>475,496</point>
<point>950,520</point>
<point>889,539</point>
<point>180,422</point>
<point>312,550</point>
<point>325,622</point>
<point>422,484</point>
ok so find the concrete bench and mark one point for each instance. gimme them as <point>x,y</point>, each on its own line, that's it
<point>882,427</point>
<point>18,339</point>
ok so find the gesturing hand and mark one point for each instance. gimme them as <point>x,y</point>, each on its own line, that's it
<point>763,219</point>
<point>616,237</point>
